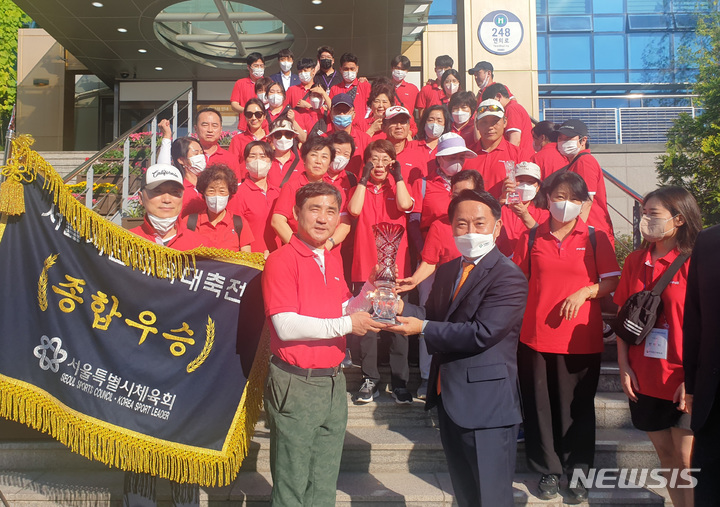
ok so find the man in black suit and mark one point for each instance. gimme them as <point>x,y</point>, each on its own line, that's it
<point>471,324</point>
<point>701,362</point>
<point>285,77</point>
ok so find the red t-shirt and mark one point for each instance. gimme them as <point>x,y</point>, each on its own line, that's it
<point>239,141</point>
<point>361,97</point>
<point>513,227</point>
<point>223,234</point>
<point>490,164</point>
<point>518,120</point>
<point>255,207</point>
<point>292,282</point>
<point>243,91</point>
<point>193,201</point>
<point>558,271</point>
<point>379,206</point>
<point>434,204</point>
<point>588,167</point>
<point>439,245</point>
<point>406,95</point>
<point>277,171</point>
<point>549,159</point>
<point>183,240</point>
<point>657,377</point>
<point>430,95</point>
<point>222,156</point>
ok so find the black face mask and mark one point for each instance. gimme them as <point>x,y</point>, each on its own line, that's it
<point>325,63</point>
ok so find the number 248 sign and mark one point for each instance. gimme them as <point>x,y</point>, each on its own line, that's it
<point>500,32</point>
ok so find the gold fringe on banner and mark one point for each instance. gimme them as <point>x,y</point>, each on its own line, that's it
<point>95,439</point>
<point>129,450</point>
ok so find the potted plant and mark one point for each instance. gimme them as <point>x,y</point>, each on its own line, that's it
<point>134,215</point>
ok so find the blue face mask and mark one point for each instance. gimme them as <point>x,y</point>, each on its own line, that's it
<point>342,120</point>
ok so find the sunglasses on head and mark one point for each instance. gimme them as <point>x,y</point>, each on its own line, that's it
<point>492,108</point>
<point>283,133</point>
<point>256,114</point>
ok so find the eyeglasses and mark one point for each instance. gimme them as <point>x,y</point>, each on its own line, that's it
<point>283,133</point>
<point>256,114</point>
<point>492,108</point>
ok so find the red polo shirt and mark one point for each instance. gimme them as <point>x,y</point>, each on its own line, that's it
<point>183,240</point>
<point>439,243</point>
<point>292,282</point>
<point>193,201</point>
<point>549,159</point>
<point>243,91</point>
<point>239,141</point>
<point>434,204</point>
<point>490,164</point>
<point>657,377</point>
<point>518,120</point>
<point>343,181</point>
<point>222,234</point>
<point>255,207</point>
<point>307,118</point>
<point>413,164</point>
<point>513,227</point>
<point>558,271</point>
<point>589,168</point>
<point>426,150</point>
<point>222,156</point>
<point>379,206</point>
<point>430,95</point>
<point>361,141</point>
<point>406,95</point>
<point>361,97</point>
<point>286,201</point>
<point>278,170</point>
<point>467,132</point>
<point>296,93</point>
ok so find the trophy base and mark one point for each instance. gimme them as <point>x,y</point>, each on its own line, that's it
<point>386,321</point>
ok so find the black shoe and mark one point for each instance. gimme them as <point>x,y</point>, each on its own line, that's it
<point>402,396</point>
<point>548,486</point>
<point>578,494</point>
<point>368,392</point>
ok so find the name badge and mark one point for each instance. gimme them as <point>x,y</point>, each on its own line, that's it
<point>656,344</point>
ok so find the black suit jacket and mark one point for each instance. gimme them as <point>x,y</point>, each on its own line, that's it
<point>474,339</point>
<point>701,326</point>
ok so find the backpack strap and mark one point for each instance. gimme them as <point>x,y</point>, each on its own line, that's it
<point>238,224</point>
<point>669,273</point>
<point>292,166</point>
<point>192,221</point>
<point>531,242</point>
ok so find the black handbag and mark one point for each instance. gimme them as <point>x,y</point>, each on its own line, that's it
<point>638,315</point>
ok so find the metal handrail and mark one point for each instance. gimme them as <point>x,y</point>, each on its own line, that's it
<point>121,138</point>
<point>637,206</point>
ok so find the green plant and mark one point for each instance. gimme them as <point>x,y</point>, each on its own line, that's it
<point>623,247</point>
<point>11,19</point>
<point>134,208</point>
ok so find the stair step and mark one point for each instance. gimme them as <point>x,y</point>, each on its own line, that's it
<point>69,488</point>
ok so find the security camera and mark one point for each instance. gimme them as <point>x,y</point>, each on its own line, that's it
<point>124,74</point>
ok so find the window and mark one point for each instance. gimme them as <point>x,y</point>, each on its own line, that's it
<point>570,24</point>
<point>648,6</point>
<point>610,52</point>
<point>609,23</point>
<point>648,51</point>
<point>542,52</point>
<point>649,22</point>
<point>570,52</point>
<point>611,77</point>
<point>608,6</point>
<point>570,77</point>
<point>569,6</point>
<point>541,24</point>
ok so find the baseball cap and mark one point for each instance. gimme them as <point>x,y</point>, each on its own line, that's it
<point>343,98</point>
<point>528,169</point>
<point>160,173</point>
<point>490,107</point>
<point>572,128</point>
<point>282,125</point>
<point>481,66</point>
<point>393,111</point>
<point>452,143</point>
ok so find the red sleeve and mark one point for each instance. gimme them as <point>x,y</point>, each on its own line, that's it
<point>236,146</point>
<point>416,193</point>
<point>514,119</point>
<point>286,201</point>
<point>605,259</point>
<point>246,235</point>
<point>235,95</point>
<point>279,282</point>
<point>625,288</point>
<point>433,245</point>
<point>421,101</point>
<point>589,169</point>
<point>521,252</point>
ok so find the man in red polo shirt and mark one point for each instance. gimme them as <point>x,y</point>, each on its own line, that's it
<point>161,193</point>
<point>208,126</point>
<point>431,94</point>
<point>396,126</point>
<point>492,148</point>
<point>244,88</point>
<point>574,145</point>
<point>405,93</point>
<point>358,90</point>
<point>484,74</point>
<point>519,126</point>
<point>309,311</point>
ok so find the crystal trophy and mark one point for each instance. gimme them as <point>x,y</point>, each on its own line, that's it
<point>384,301</point>
<point>512,197</point>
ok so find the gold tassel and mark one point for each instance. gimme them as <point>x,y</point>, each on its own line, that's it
<point>12,197</point>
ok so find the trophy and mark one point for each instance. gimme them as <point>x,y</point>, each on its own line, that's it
<point>384,301</point>
<point>512,197</point>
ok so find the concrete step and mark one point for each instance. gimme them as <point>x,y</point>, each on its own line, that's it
<point>367,449</point>
<point>55,488</point>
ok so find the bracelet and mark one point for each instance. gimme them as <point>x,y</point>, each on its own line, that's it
<point>589,287</point>
<point>332,240</point>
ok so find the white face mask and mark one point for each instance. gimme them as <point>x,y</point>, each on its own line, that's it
<point>305,76</point>
<point>461,117</point>
<point>283,143</point>
<point>339,163</point>
<point>216,203</point>
<point>473,246</point>
<point>527,192</point>
<point>258,168</point>
<point>275,100</point>
<point>452,87</point>
<point>262,97</point>
<point>349,76</point>
<point>258,72</point>
<point>286,66</point>
<point>162,225</point>
<point>439,73</point>
<point>197,163</point>
<point>484,84</point>
<point>398,75</point>
<point>449,168</point>
<point>569,147</point>
<point>315,102</point>
<point>565,211</point>
<point>434,130</point>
